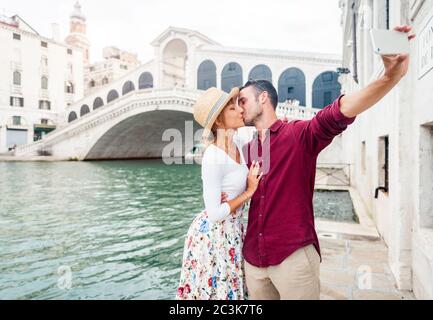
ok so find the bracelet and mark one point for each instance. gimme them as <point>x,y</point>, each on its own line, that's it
<point>246,197</point>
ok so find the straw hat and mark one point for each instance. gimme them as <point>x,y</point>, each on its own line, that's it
<point>209,106</point>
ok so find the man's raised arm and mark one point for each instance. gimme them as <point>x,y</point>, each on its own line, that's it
<point>396,67</point>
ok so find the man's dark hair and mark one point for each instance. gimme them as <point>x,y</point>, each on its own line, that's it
<point>262,86</point>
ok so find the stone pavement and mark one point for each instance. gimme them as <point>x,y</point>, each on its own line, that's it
<point>354,265</point>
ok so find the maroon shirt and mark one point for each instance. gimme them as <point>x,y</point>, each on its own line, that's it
<point>281,217</point>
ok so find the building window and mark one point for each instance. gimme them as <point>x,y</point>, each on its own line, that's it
<point>92,69</point>
<point>44,44</point>
<point>17,102</point>
<point>44,83</point>
<point>16,120</point>
<point>44,121</point>
<point>69,87</point>
<point>44,105</point>
<point>16,36</point>
<point>92,84</point>
<point>17,78</point>
<point>122,66</point>
<point>105,81</point>
<point>384,163</point>
<point>69,51</point>
<point>363,155</point>
<point>44,61</point>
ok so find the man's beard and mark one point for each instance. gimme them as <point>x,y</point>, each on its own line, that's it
<point>249,123</point>
<point>257,115</point>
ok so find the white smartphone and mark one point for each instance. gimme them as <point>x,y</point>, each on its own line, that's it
<point>389,42</point>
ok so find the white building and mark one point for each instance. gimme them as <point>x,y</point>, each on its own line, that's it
<point>39,77</point>
<point>116,63</point>
<point>392,144</point>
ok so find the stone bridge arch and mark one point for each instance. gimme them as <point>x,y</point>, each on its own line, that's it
<point>140,136</point>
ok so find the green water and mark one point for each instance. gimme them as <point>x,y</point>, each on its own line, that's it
<point>118,227</point>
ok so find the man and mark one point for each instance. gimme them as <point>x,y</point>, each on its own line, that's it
<point>281,248</point>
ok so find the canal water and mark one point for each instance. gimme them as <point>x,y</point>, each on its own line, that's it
<point>103,230</point>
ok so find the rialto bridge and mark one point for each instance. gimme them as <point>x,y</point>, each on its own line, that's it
<point>128,117</point>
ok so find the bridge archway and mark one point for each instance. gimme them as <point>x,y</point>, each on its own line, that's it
<point>145,81</point>
<point>174,59</point>
<point>140,136</point>
<point>326,89</point>
<point>260,72</point>
<point>291,86</point>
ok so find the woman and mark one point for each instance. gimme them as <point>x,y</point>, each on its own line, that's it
<point>212,267</point>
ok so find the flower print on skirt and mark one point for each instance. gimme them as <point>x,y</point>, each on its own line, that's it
<point>212,266</point>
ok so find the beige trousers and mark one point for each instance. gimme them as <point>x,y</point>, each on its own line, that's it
<point>296,278</point>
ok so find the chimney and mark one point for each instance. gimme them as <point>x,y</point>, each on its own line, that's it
<point>55,32</point>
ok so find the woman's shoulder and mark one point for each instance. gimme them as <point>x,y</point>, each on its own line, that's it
<point>212,155</point>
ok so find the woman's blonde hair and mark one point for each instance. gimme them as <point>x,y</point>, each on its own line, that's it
<point>210,136</point>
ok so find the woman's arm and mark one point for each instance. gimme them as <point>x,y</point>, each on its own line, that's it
<point>212,180</point>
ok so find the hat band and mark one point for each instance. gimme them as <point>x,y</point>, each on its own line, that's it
<point>215,108</point>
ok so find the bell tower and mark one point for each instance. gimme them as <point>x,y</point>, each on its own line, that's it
<point>77,32</point>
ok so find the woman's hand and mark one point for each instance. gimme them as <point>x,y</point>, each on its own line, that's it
<point>224,197</point>
<point>253,178</point>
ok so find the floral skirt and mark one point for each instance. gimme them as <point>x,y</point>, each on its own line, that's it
<point>213,265</point>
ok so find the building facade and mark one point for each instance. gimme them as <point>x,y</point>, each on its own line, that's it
<point>39,78</point>
<point>392,143</point>
<point>116,63</point>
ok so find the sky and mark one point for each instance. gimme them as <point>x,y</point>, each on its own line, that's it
<point>131,25</point>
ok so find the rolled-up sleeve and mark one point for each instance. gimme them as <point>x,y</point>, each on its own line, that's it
<point>316,134</point>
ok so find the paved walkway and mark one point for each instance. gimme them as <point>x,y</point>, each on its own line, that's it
<point>354,265</point>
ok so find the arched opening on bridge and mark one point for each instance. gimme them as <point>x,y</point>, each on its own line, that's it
<point>98,103</point>
<point>231,76</point>
<point>260,72</point>
<point>206,75</point>
<point>84,110</point>
<point>145,81</point>
<point>112,95</point>
<point>128,87</point>
<point>174,60</point>
<point>72,116</point>
<point>141,136</point>
<point>291,86</point>
<point>326,89</point>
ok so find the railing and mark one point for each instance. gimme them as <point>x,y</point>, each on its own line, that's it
<point>333,175</point>
<point>293,112</point>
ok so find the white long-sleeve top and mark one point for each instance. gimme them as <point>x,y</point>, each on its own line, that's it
<point>220,173</point>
